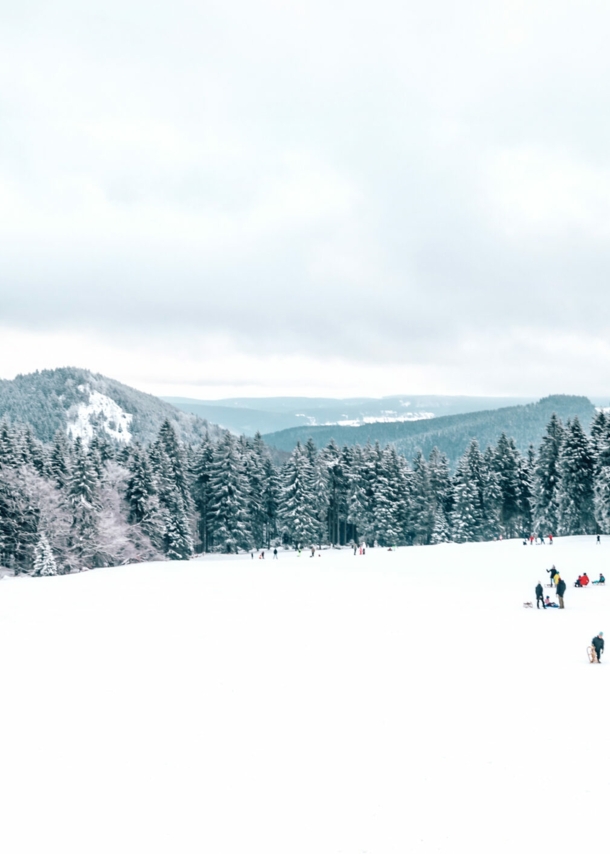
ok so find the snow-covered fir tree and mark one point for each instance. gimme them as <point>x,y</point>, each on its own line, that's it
<point>229,488</point>
<point>298,505</point>
<point>44,562</point>
<point>548,478</point>
<point>576,466</point>
<point>201,489</point>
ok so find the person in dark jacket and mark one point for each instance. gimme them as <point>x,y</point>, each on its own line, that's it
<point>539,595</point>
<point>553,572</point>
<point>561,589</point>
<point>598,645</point>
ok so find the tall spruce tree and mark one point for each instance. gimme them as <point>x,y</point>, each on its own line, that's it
<point>548,479</point>
<point>576,467</point>
<point>298,505</point>
<point>201,487</point>
<point>82,493</point>
<point>229,488</point>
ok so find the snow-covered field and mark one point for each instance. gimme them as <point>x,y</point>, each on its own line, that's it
<point>396,702</point>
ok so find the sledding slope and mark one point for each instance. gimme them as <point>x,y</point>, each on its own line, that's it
<point>399,701</point>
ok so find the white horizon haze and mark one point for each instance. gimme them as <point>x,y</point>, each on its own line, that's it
<point>326,199</point>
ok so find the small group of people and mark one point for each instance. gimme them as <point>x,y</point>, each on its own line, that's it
<point>584,579</point>
<point>545,601</point>
<point>261,555</point>
<point>538,540</point>
<point>560,588</point>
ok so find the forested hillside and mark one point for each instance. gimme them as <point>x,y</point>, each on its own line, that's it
<point>249,415</point>
<point>450,434</point>
<point>66,505</point>
<point>82,403</point>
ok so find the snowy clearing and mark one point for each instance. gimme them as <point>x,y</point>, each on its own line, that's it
<point>100,410</point>
<point>395,702</point>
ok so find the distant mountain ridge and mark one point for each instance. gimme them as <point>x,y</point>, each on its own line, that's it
<point>248,415</point>
<point>452,433</point>
<point>82,403</point>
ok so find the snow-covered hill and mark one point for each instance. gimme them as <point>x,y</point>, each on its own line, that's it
<point>84,404</point>
<point>387,703</point>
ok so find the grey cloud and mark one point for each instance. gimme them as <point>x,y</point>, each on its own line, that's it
<point>344,180</point>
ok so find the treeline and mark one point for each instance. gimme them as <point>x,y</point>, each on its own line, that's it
<point>64,506</point>
<point>450,434</point>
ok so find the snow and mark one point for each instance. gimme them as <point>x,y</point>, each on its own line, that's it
<point>392,702</point>
<point>388,418</point>
<point>114,420</point>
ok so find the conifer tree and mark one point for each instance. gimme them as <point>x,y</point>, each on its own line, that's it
<point>297,508</point>
<point>423,503</point>
<point>9,447</point>
<point>337,488</point>
<point>44,562</point>
<point>177,536</point>
<point>202,490</point>
<point>441,531</point>
<point>475,497</point>
<point>253,455</point>
<point>167,442</point>
<point>506,465</point>
<point>576,468</point>
<point>229,489</point>
<point>60,458</point>
<point>390,499</point>
<point>548,478</point>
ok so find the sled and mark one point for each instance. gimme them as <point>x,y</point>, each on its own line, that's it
<point>528,604</point>
<point>592,655</point>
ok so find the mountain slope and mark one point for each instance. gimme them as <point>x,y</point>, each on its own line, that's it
<point>82,403</point>
<point>452,433</point>
<point>272,414</point>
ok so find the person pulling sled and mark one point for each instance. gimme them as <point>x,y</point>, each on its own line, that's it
<point>596,649</point>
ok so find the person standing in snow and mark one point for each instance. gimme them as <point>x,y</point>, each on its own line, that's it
<point>561,589</point>
<point>553,572</point>
<point>274,554</point>
<point>598,645</point>
<point>539,595</point>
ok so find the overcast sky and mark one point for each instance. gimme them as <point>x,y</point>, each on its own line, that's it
<point>316,197</point>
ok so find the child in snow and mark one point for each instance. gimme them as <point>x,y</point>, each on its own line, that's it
<point>549,604</point>
<point>600,580</point>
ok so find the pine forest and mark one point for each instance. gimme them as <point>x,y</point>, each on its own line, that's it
<point>65,506</point>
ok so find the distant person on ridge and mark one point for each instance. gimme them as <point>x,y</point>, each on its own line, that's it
<point>598,645</point>
<point>274,554</point>
<point>598,540</point>
<point>539,596</point>
<point>561,589</point>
